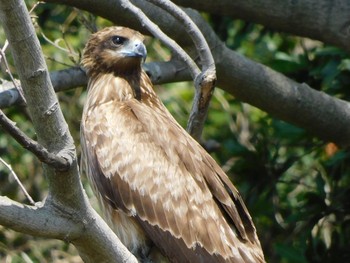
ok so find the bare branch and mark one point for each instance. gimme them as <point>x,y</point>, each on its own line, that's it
<point>62,80</point>
<point>166,72</point>
<point>80,227</point>
<point>202,47</point>
<point>9,94</point>
<point>326,21</point>
<point>36,220</point>
<point>68,78</point>
<point>204,82</point>
<point>67,214</point>
<point>43,154</point>
<point>27,195</point>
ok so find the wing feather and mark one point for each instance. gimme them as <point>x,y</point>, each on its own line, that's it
<point>143,163</point>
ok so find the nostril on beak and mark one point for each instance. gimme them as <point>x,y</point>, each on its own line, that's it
<point>141,49</point>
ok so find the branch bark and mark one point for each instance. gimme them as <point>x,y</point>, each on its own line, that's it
<point>205,81</point>
<point>322,115</point>
<point>327,21</point>
<point>66,213</point>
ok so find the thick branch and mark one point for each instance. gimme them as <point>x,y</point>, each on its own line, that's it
<point>36,220</point>
<point>95,241</point>
<point>41,99</point>
<point>48,121</point>
<point>327,21</point>
<point>166,72</point>
<point>84,228</point>
<point>317,112</point>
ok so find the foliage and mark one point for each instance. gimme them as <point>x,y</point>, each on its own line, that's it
<point>295,186</point>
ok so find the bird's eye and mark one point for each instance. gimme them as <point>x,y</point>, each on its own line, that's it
<point>118,40</point>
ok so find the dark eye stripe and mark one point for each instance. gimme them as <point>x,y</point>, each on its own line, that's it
<point>118,40</point>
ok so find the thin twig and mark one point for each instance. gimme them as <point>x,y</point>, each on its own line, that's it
<point>58,46</point>
<point>41,152</point>
<point>4,49</point>
<point>9,167</point>
<point>154,29</point>
<point>205,81</point>
<point>17,87</point>
<point>3,56</point>
<point>35,6</point>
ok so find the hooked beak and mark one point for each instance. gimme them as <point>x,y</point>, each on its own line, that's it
<point>135,49</point>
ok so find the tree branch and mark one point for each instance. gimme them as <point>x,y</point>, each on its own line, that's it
<point>166,72</point>
<point>68,79</point>
<point>323,20</point>
<point>68,214</point>
<point>84,228</point>
<point>71,78</point>
<point>320,114</point>
<point>9,94</point>
<point>36,220</point>
<point>38,150</point>
<point>204,82</point>
<point>61,80</point>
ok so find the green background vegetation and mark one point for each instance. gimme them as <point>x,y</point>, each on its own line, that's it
<point>295,186</point>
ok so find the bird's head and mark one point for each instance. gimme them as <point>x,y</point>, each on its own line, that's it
<point>117,50</point>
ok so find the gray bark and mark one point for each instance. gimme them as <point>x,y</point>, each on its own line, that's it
<point>66,213</point>
<point>324,20</point>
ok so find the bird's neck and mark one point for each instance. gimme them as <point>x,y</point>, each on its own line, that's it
<point>103,88</point>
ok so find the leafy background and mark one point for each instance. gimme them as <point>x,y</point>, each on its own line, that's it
<point>295,186</point>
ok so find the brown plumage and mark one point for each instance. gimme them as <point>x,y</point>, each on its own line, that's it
<point>161,192</point>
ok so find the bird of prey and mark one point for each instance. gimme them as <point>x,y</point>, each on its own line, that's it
<point>162,194</point>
